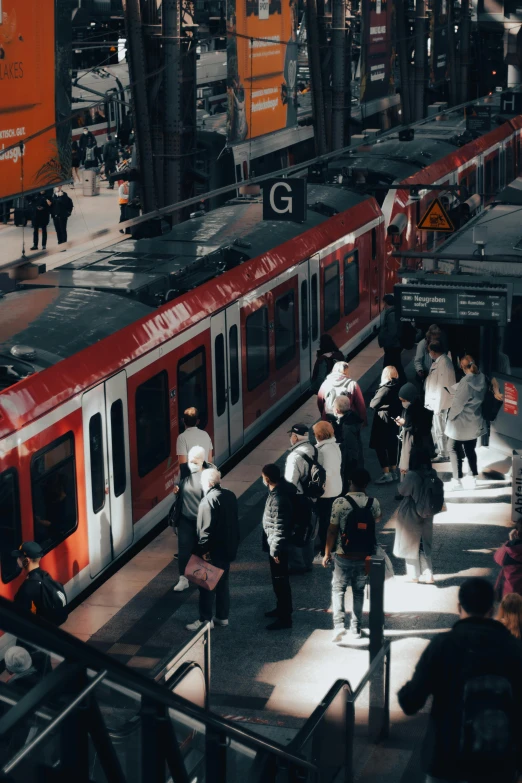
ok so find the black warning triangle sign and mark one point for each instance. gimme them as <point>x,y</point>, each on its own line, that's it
<point>436,219</point>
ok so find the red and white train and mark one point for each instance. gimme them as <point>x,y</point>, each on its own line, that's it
<point>101,356</point>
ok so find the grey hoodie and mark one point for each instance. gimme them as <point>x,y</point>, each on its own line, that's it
<point>465,420</point>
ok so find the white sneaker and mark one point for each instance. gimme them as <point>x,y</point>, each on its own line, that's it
<point>338,633</point>
<point>222,623</point>
<point>183,584</point>
<point>318,559</point>
<point>472,482</point>
<point>386,478</point>
<point>453,486</point>
<point>197,624</point>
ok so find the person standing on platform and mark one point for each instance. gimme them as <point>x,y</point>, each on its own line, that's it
<point>336,384</point>
<point>123,201</point>
<point>39,593</point>
<point>218,541</point>
<point>327,355</point>
<point>297,471</point>
<point>383,438</point>
<point>41,212</point>
<point>347,429</point>
<point>110,158</point>
<point>329,456</point>
<point>75,163</point>
<point>474,674</point>
<point>191,436</point>
<point>509,558</point>
<point>423,360</point>
<point>350,540</point>
<point>277,530</point>
<point>465,421</point>
<point>412,423</point>
<point>189,494</point>
<point>389,339</point>
<point>62,207</point>
<point>437,398</point>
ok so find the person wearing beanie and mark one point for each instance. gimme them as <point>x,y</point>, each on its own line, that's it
<point>411,423</point>
<point>19,664</point>
<point>389,339</point>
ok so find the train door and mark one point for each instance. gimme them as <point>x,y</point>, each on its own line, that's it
<point>375,274</point>
<point>107,471</point>
<point>226,383</point>
<point>308,317</point>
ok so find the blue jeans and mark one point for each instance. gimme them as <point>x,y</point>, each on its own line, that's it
<point>348,573</point>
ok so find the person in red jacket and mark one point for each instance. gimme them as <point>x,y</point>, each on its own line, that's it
<point>509,558</point>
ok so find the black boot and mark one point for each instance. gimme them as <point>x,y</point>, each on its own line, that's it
<point>279,625</point>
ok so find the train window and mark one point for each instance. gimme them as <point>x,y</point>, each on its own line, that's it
<point>53,484</point>
<point>153,422</point>
<point>10,523</point>
<point>304,315</point>
<point>374,244</point>
<point>96,447</point>
<point>488,185</point>
<point>472,181</point>
<point>351,282</point>
<point>192,385</point>
<point>221,378</point>
<point>119,470</point>
<point>332,293</point>
<point>257,347</point>
<point>314,294</point>
<point>495,180</point>
<point>509,163</point>
<point>284,329</point>
<point>233,352</point>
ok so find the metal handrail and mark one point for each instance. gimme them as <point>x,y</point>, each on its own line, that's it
<point>383,653</point>
<point>41,634</point>
<point>306,731</point>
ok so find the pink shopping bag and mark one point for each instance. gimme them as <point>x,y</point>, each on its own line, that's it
<point>203,574</point>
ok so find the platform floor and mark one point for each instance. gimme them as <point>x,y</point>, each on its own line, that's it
<point>276,679</point>
<point>91,214</point>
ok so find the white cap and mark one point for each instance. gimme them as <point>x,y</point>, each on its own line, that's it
<point>17,660</point>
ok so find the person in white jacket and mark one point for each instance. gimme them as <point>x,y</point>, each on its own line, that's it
<point>329,456</point>
<point>437,397</point>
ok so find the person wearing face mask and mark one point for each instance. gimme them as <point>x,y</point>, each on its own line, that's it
<point>41,210</point>
<point>465,421</point>
<point>61,209</point>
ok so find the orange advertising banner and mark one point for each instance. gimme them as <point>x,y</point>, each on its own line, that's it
<point>27,95</point>
<point>261,67</point>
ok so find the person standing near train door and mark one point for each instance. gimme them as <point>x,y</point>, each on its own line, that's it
<point>437,397</point>
<point>192,436</point>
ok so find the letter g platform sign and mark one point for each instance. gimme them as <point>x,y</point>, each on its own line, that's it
<point>284,199</point>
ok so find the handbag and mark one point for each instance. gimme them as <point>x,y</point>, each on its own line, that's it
<point>203,574</point>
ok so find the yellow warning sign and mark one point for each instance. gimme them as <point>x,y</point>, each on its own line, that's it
<point>436,219</point>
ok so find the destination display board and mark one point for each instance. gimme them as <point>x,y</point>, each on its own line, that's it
<point>452,304</point>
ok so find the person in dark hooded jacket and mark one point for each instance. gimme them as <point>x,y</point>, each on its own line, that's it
<point>413,423</point>
<point>277,531</point>
<point>327,355</point>
<point>509,558</point>
<point>347,429</point>
<point>476,646</point>
<point>41,210</point>
<point>383,437</point>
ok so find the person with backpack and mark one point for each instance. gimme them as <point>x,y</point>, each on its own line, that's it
<point>347,429</point>
<point>437,398</point>
<point>329,456</point>
<point>277,532</point>
<point>383,437</point>
<point>389,336</point>
<point>327,355</point>
<point>39,593</point>
<point>509,558</point>
<point>474,674</point>
<point>465,422</point>
<point>422,494</point>
<point>218,542</point>
<point>349,542</point>
<point>339,383</point>
<point>298,465</point>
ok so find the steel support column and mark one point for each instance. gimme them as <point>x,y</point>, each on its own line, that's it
<point>338,72</point>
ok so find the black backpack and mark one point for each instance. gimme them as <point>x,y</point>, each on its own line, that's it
<point>490,405</point>
<point>53,600</point>
<point>358,530</point>
<point>487,742</point>
<point>431,497</point>
<point>313,485</point>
